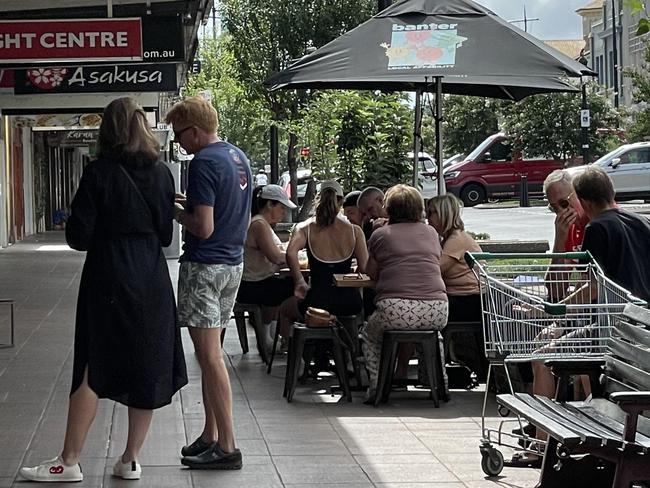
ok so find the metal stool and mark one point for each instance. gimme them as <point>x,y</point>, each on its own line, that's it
<point>431,356</point>
<point>276,338</point>
<point>11,320</point>
<point>474,328</point>
<point>254,312</point>
<point>351,325</point>
<point>301,334</point>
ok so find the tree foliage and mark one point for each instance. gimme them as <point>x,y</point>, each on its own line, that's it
<point>243,120</point>
<point>359,137</point>
<point>638,128</point>
<point>549,125</point>
<point>638,7</point>
<point>467,121</point>
<point>266,37</point>
<point>540,125</point>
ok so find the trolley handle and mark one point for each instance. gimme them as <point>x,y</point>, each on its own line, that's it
<point>472,257</point>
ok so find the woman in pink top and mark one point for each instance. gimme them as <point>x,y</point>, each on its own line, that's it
<point>404,259</point>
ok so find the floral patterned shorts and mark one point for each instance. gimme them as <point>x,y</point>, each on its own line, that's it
<point>206,293</point>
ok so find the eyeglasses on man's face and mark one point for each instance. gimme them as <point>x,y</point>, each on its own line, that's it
<point>561,204</point>
<point>179,134</point>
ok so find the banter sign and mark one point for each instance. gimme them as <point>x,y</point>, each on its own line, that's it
<point>422,46</point>
<point>35,41</point>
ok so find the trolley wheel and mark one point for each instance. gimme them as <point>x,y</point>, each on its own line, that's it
<point>502,411</point>
<point>492,462</point>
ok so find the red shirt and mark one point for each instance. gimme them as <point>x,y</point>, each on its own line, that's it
<point>574,238</point>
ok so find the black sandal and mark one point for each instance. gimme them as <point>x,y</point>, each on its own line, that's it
<point>524,460</point>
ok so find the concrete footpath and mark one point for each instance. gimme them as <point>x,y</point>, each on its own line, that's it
<point>318,440</point>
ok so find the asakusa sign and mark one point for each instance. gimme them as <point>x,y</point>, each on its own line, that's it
<point>93,79</point>
<point>34,41</point>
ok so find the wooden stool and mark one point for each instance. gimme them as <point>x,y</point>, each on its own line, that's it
<point>254,312</point>
<point>301,334</point>
<point>431,356</point>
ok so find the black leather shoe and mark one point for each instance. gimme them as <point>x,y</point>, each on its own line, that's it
<point>214,458</point>
<point>196,447</point>
<point>526,435</point>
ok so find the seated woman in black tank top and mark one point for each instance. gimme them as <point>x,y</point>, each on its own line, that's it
<point>331,243</point>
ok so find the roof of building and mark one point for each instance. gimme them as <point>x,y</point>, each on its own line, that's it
<point>568,47</point>
<point>595,5</point>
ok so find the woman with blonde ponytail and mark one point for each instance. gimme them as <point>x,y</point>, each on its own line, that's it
<point>331,242</point>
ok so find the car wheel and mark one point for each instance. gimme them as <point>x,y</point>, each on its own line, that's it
<point>472,194</point>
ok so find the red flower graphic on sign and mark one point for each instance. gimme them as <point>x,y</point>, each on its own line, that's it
<point>429,53</point>
<point>417,37</point>
<point>46,78</point>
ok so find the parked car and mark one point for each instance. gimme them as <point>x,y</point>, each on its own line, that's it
<point>304,177</point>
<point>428,172</point>
<point>629,168</point>
<point>494,170</point>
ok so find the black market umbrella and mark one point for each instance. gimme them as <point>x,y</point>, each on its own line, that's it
<point>444,46</point>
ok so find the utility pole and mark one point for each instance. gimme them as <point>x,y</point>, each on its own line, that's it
<point>383,4</point>
<point>615,52</point>
<point>585,114</point>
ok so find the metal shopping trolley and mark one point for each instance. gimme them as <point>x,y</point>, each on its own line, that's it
<point>527,317</point>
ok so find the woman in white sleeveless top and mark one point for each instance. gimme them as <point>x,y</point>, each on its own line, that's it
<point>264,255</point>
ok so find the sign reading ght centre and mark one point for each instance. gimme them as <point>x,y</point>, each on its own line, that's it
<point>33,41</point>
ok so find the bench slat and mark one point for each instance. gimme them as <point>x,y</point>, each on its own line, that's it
<point>612,410</point>
<point>638,314</point>
<point>633,332</point>
<point>582,424</point>
<point>613,418</point>
<point>627,373</point>
<point>630,353</point>
<point>560,432</point>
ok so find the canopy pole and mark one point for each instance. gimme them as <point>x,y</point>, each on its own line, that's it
<point>441,179</point>
<point>416,135</point>
<point>273,147</point>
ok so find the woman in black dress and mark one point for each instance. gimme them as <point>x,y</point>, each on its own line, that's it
<point>127,341</point>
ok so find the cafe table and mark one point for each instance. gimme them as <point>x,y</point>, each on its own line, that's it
<point>353,280</point>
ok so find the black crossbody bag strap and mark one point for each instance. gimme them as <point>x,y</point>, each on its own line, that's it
<point>137,190</point>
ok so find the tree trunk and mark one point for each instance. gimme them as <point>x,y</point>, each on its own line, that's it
<point>308,201</point>
<point>292,163</point>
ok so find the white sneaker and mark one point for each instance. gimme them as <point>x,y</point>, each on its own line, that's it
<point>53,470</point>
<point>127,471</point>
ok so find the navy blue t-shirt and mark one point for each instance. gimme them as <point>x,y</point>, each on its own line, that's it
<point>219,176</point>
